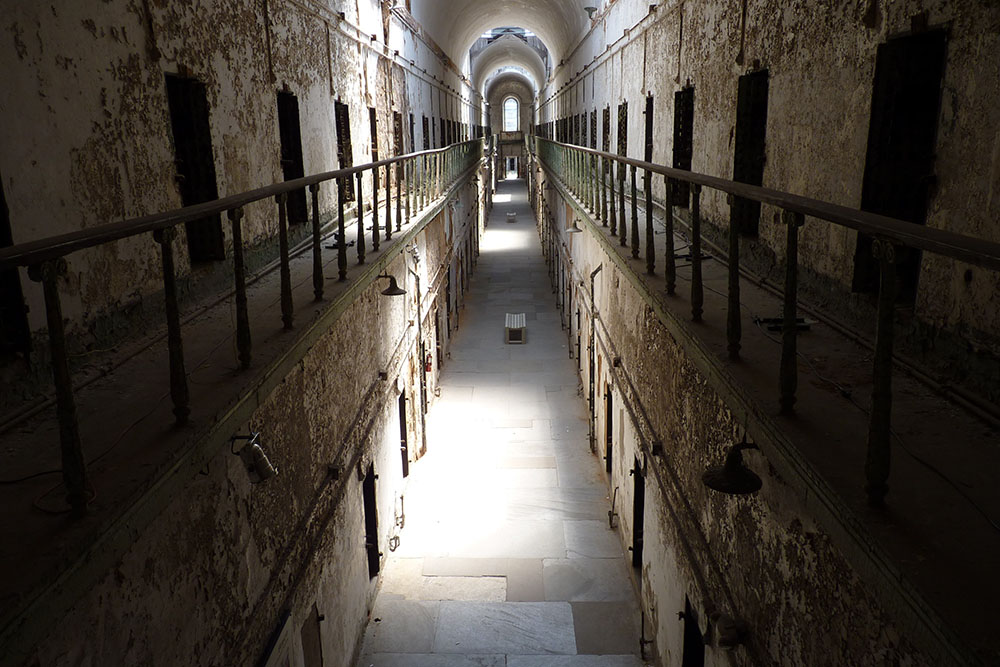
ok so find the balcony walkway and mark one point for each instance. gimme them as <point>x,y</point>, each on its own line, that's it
<point>506,557</point>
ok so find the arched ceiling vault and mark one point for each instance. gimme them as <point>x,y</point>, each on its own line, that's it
<point>456,24</point>
<point>509,82</point>
<point>504,52</point>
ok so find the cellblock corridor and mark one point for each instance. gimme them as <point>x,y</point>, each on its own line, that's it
<point>506,557</point>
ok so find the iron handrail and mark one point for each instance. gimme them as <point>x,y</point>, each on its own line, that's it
<point>977,251</point>
<point>60,245</point>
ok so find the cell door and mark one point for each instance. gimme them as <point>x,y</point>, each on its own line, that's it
<point>647,154</point>
<point>638,514</point>
<point>623,129</point>
<point>373,129</point>
<point>195,162</point>
<point>345,150</point>
<point>14,332</point>
<point>606,139</point>
<point>593,129</point>
<point>444,134</point>
<point>694,644</point>
<point>290,135</point>
<point>370,500</point>
<point>397,132</point>
<point>413,138</point>
<point>426,134</point>
<point>404,432</point>
<point>902,136</point>
<point>748,158</point>
<point>312,643</point>
<point>609,429</point>
<point>683,141</point>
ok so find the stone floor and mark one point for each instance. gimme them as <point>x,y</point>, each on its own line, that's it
<point>506,558</point>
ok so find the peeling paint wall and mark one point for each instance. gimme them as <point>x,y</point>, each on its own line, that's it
<point>87,136</point>
<point>760,558</point>
<point>821,61</point>
<point>210,579</point>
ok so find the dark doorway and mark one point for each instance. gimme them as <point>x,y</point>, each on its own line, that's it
<point>371,521</point>
<point>647,153</point>
<point>748,158</point>
<point>593,129</point>
<point>609,429</point>
<point>373,128</point>
<point>195,164</point>
<point>312,643</point>
<point>397,133</point>
<point>694,644</point>
<point>413,138</point>
<point>345,152</point>
<point>404,437</point>
<point>443,133</point>
<point>606,138</point>
<point>638,515</point>
<point>14,333</point>
<point>290,134</point>
<point>427,134</point>
<point>899,167</point>
<point>623,130</point>
<point>683,141</point>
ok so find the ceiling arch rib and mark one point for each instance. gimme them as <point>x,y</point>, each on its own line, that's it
<point>508,51</point>
<point>508,83</point>
<point>456,24</point>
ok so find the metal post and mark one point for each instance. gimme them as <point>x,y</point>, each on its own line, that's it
<point>650,237</point>
<point>360,242</point>
<point>635,216</point>
<point>341,229</point>
<point>74,467</point>
<point>697,287</point>
<point>612,203</point>
<point>880,420</point>
<point>604,191</point>
<point>399,197</point>
<point>788,381</point>
<point>408,168</point>
<point>287,308</point>
<point>243,344</point>
<point>734,327</point>
<point>623,226</point>
<point>317,243</point>
<point>175,344</point>
<point>388,202</point>
<point>669,260</point>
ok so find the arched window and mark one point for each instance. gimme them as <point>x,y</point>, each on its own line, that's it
<point>511,120</point>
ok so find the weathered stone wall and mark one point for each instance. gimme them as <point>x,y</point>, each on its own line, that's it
<point>821,61</point>
<point>759,558</point>
<point>209,581</point>
<point>87,136</point>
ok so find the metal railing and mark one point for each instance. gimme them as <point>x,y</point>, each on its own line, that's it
<point>419,178</point>
<point>606,185</point>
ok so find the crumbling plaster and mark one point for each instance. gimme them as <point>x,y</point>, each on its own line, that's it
<point>821,63</point>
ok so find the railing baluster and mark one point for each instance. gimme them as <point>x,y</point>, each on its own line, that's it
<point>612,201</point>
<point>789,330</point>
<point>360,242</point>
<point>317,244</point>
<point>880,420</point>
<point>650,237</point>
<point>604,191</point>
<point>175,343</point>
<point>341,229</point>
<point>388,203</point>
<point>399,198</point>
<point>74,467</point>
<point>376,236</point>
<point>697,287</point>
<point>669,258</point>
<point>243,343</point>
<point>287,308</point>
<point>734,326</point>
<point>408,170</point>
<point>635,216</point>
<point>623,222</point>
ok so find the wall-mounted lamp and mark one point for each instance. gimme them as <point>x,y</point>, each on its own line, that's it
<point>393,289</point>
<point>258,467</point>
<point>590,12</point>
<point>575,229</point>
<point>733,477</point>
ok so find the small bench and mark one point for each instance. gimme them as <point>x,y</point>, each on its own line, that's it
<point>512,217</point>
<point>514,329</point>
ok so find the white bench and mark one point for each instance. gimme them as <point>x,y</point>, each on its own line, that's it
<point>514,329</point>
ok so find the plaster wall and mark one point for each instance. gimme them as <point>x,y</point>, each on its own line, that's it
<point>211,579</point>
<point>821,62</point>
<point>759,558</point>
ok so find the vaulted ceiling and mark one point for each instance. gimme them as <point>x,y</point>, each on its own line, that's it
<point>505,52</point>
<point>456,24</point>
